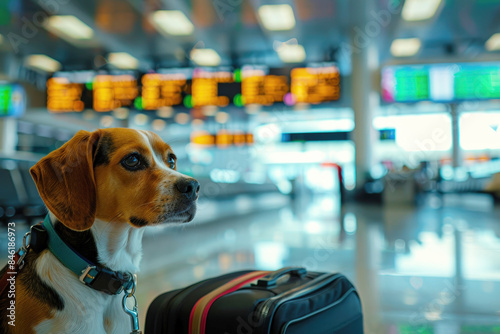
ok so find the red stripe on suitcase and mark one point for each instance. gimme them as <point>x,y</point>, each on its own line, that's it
<point>232,286</point>
<point>205,311</point>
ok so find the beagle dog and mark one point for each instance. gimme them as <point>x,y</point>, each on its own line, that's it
<point>101,189</point>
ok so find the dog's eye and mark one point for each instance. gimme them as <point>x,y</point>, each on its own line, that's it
<point>132,162</point>
<point>171,161</point>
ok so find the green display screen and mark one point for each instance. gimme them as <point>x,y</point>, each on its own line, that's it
<point>5,94</point>
<point>481,82</point>
<point>12,100</point>
<point>413,84</point>
<point>441,82</point>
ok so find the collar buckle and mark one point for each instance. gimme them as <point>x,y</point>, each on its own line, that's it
<point>106,280</point>
<point>85,274</point>
<point>95,276</point>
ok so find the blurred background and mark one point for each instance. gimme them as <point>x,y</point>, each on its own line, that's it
<point>355,136</point>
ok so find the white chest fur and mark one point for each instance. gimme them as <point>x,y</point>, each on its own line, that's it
<point>87,310</point>
<point>119,245</point>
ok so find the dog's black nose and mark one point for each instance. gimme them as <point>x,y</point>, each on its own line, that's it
<point>188,187</point>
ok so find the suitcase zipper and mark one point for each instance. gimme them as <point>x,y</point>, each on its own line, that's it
<point>265,308</point>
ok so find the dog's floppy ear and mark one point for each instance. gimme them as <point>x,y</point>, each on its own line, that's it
<point>65,181</point>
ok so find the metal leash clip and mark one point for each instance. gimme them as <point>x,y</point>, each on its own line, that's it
<point>133,313</point>
<point>24,250</point>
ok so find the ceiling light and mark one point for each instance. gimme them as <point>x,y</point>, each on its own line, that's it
<point>205,57</point>
<point>419,10</point>
<point>405,47</point>
<point>42,62</point>
<point>493,43</point>
<point>172,22</point>
<point>69,27</point>
<point>277,17</point>
<point>291,53</point>
<point>123,60</point>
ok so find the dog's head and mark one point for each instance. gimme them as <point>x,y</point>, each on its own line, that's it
<point>117,175</point>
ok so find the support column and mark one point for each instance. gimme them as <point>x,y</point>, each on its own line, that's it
<point>364,61</point>
<point>459,283</point>
<point>368,257</point>
<point>455,136</point>
<point>8,135</point>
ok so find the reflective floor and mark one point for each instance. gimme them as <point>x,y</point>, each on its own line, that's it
<point>434,268</point>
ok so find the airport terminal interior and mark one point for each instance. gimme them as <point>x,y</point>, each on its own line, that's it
<point>351,136</point>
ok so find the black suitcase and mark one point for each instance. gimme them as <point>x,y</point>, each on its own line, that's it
<point>290,300</point>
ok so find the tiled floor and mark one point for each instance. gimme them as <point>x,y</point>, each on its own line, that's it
<point>428,269</point>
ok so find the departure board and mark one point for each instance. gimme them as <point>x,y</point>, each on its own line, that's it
<point>260,87</point>
<point>223,138</point>
<point>105,91</point>
<point>315,84</point>
<point>202,138</point>
<point>204,88</point>
<point>162,90</point>
<point>441,82</point>
<point>76,91</point>
<point>114,91</point>
<point>64,96</point>
<point>478,82</point>
<point>405,84</point>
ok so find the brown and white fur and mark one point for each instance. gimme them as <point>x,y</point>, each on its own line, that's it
<point>100,207</point>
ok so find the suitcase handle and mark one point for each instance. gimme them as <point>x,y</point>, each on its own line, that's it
<point>272,279</point>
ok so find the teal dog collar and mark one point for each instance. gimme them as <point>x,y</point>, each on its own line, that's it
<point>93,275</point>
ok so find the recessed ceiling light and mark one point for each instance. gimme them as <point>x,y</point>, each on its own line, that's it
<point>291,53</point>
<point>277,17</point>
<point>405,47</point>
<point>69,27</point>
<point>123,60</point>
<point>493,43</point>
<point>205,57</point>
<point>43,63</point>
<point>419,10</point>
<point>172,22</point>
